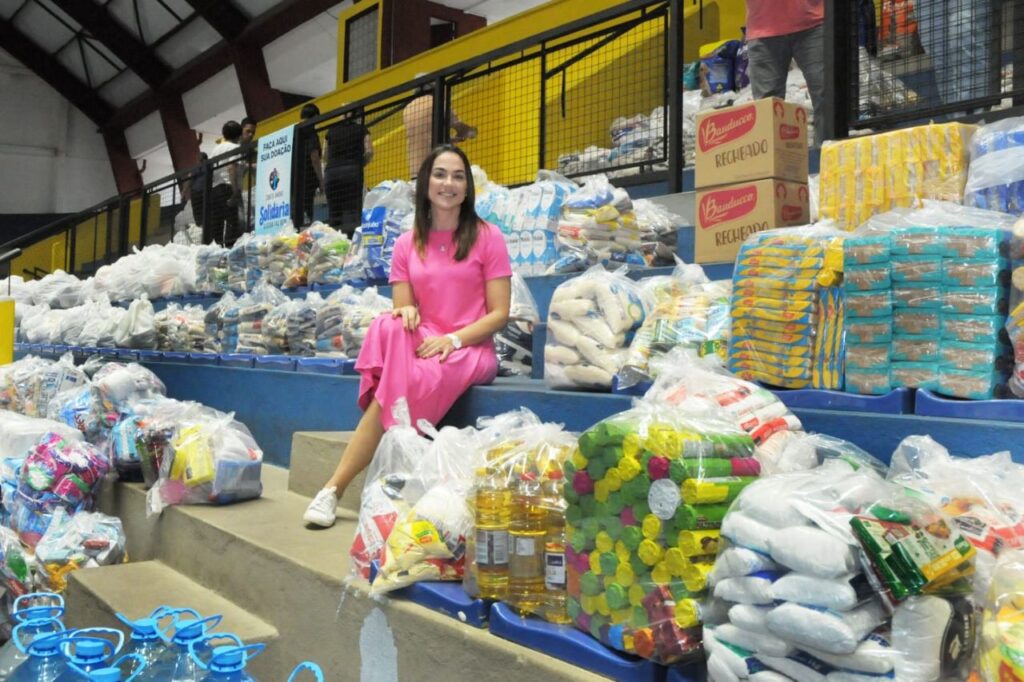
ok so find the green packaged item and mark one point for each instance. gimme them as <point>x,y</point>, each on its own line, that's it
<point>701,516</point>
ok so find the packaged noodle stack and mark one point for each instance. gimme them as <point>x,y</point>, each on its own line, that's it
<point>864,176</point>
<point>647,491</point>
<point>926,308</point>
<point>517,551</point>
<point>788,309</point>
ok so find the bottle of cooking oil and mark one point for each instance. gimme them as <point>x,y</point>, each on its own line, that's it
<point>526,559</point>
<point>493,515</point>
<point>555,609</point>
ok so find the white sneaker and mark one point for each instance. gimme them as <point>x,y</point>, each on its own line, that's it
<point>320,511</point>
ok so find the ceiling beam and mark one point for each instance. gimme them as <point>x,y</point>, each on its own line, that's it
<point>55,74</point>
<point>106,28</point>
<point>260,31</point>
<point>261,101</point>
<point>223,16</point>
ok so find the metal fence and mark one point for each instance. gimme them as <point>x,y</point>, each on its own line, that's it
<point>900,62</point>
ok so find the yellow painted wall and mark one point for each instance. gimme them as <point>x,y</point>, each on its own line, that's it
<point>47,255</point>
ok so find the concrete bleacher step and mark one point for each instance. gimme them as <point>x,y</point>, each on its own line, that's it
<point>95,595</point>
<point>258,555</point>
<point>315,455</point>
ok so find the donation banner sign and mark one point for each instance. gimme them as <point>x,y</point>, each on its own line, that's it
<point>274,181</point>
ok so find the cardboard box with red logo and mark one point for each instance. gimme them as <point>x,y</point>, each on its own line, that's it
<point>727,215</point>
<point>762,139</point>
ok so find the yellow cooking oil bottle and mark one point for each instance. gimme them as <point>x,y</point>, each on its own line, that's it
<point>555,607</point>
<point>527,532</point>
<point>493,517</point>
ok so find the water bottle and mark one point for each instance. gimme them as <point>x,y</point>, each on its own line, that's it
<point>88,650</point>
<point>227,662</point>
<point>145,637</point>
<point>176,664</point>
<point>113,673</point>
<point>44,610</point>
<point>312,667</point>
<point>45,662</point>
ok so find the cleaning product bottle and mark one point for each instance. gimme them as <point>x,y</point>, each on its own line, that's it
<point>226,663</point>
<point>44,662</point>
<point>312,667</point>
<point>526,555</point>
<point>111,673</point>
<point>176,664</point>
<point>493,515</point>
<point>44,610</point>
<point>90,650</point>
<point>555,605</point>
<point>145,634</point>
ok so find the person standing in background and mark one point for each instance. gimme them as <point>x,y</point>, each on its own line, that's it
<point>226,193</point>
<point>311,178</point>
<point>959,37</point>
<point>417,118</point>
<point>778,32</point>
<point>348,150</point>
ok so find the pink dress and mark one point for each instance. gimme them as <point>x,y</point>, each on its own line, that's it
<point>450,295</point>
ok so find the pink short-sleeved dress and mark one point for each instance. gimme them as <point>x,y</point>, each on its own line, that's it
<point>451,295</point>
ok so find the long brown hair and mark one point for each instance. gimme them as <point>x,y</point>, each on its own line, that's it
<point>466,231</point>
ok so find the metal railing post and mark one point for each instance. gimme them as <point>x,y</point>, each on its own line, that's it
<point>837,69</point>
<point>674,97</point>
<point>439,116</point>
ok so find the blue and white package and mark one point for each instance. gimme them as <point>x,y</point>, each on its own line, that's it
<point>995,180</point>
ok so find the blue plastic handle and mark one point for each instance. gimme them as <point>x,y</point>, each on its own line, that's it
<point>91,635</point>
<point>312,667</point>
<point>205,640</point>
<point>20,628</point>
<point>24,610</point>
<point>36,644</point>
<point>140,666</point>
<point>176,622</point>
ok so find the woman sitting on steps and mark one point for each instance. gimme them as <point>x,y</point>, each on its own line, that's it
<point>451,287</point>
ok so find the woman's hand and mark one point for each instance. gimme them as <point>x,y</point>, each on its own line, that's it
<point>410,315</point>
<point>433,345</point>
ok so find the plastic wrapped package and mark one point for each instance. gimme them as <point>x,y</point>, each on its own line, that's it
<point>342,322</point>
<point>101,325</point>
<point>274,329</point>
<point>326,264</point>
<point>237,264</point>
<point>29,384</point>
<point>996,177</point>
<point>517,551</point>
<point>514,343</point>
<point>385,209</point>
<point>57,472</point>
<point>85,540</point>
<point>282,257</point>
<point>19,434</point>
<point>205,457</point>
<point>58,290</point>
<point>687,311</point>
<point>646,495</point>
<point>262,300</point>
<point>600,217</point>
<point>257,260</point>
<point>664,225</point>
<point>305,243</point>
<point>864,176</point>
<point>591,321</point>
<point>788,311</point>
<point>78,409</point>
<point>137,329</point>
<point>212,269</point>
<point>213,323</point>
<point>180,328</point>
<point>1001,642</point>
<point>301,325</point>
<point>1015,319</point>
<point>157,271</point>
<point>16,564</point>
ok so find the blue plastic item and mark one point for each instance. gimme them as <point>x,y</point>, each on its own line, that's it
<point>111,673</point>
<point>568,644</point>
<point>931,405</point>
<point>60,349</point>
<point>175,356</point>
<point>90,650</point>
<point>176,661</point>
<point>44,660</point>
<point>450,599</point>
<point>145,640</point>
<point>236,360</point>
<point>226,662</point>
<point>203,358</point>
<point>43,610</point>
<point>108,352</point>
<point>312,667</point>
<point>896,401</point>
<point>319,365</point>
<point>348,367</point>
<point>637,389</point>
<point>128,354</point>
<point>150,356</point>
<point>283,363</point>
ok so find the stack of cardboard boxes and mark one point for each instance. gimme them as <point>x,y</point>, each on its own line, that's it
<point>751,167</point>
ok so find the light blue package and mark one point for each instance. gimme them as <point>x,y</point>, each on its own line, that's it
<point>917,241</point>
<point>916,269</point>
<point>865,250</point>
<point>974,272</point>
<point>915,322</point>
<point>915,375</point>
<point>869,303</point>
<point>868,355</point>
<point>868,381</point>
<point>926,295</point>
<point>975,357</point>
<point>872,277</point>
<point>974,300</point>
<point>868,330</point>
<point>972,242</point>
<point>906,349</point>
<point>973,328</point>
<point>957,383</point>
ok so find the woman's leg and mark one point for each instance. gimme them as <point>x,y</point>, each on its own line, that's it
<point>359,450</point>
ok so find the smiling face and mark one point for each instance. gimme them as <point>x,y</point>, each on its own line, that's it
<point>447,182</point>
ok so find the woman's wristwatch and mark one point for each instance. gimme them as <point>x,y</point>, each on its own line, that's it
<point>456,341</point>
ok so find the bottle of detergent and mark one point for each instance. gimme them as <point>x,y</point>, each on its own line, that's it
<point>90,649</point>
<point>44,609</point>
<point>226,662</point>
<point>312,667</point>
<point>145,637</point>
<point>45,662</point>
<point>176,664</point>
<point>112,673</point>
